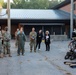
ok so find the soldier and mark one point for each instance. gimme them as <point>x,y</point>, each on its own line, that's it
<point>1,50</point>
<point>33,36</point>
<point>7,39</point>
<point>21,38</point>
<point>16,43</point>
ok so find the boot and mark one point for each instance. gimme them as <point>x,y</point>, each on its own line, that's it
<point>1,55</point>
<point>10,55</point>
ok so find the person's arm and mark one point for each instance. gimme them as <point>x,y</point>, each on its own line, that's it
<point>30,35</point>
<point>41,36</point>
<point>49,39</point>
<point>17,37</point>
<point>36,34</point>
<point>44,36</point>
<point>25,37</point>
<point>9,36</point>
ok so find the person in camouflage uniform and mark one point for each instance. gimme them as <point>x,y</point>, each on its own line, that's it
<point>16,43</point>
<point>21,38</point>
<point>33,36</point>
<point>7,39</point>
<point>1,50</point>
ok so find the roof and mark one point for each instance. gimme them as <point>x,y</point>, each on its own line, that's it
<point>40,14</point>
<point>62,4</point>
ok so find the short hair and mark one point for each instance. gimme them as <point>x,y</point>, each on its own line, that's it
<point>33,28</point>
<point>47,32</point>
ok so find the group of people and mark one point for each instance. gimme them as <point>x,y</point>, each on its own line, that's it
<point>35,40</point>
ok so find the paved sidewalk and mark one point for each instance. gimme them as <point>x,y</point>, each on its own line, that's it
<point>39,63</point>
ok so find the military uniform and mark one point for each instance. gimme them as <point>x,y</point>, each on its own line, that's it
<point>1,50</point>
<point>33,36</point>
<point>21,42</point>
<point>16,43</point>
<point>7,38</point>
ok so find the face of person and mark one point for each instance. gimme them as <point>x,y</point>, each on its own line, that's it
<point>47,33</point>
<point>40,31</point>
<point>21,28</point>
<point>33,29</point>
<point>17,29</point>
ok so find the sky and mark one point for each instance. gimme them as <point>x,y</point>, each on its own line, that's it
<point>11,0</point>
<point>6,0</point>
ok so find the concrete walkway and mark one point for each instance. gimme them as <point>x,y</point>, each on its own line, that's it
<point>39,63</point>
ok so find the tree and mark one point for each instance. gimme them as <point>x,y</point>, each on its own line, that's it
<point>1,2</point>
<point>32,4</point>
<point>39,4</point>
<point>4,5</point>
<point>53,3</point>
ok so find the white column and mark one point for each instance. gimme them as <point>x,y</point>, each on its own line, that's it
<point>8,13</point>
<point>71,18</point>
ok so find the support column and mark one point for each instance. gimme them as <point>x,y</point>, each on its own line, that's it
<point>8,13</point>
<point>71,18</point>
<point>43,31</point>
<point>61,29</point>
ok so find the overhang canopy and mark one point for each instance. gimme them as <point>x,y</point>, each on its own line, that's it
<point>58,24</point>
<point>40,14</point>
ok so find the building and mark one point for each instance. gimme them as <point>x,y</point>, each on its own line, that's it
<point>56,21</point>
<point>66,6</point>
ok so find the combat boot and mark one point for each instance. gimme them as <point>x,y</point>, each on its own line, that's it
<point>10,55</point>
<point>30,51</point>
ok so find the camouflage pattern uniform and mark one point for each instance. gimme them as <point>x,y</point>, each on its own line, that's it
<point>33,36</point>
<point>16,43</point>
<point>1,50</point>
<point>7,39</point>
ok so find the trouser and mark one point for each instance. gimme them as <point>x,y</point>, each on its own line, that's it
<point>38,44</point>
<point>16,42</point>
<point>47,47</point>
<point>6,48</point>
<point>2,42</point>
<point>1,50</point>
<point>33,43</point>
<point>20,47</point>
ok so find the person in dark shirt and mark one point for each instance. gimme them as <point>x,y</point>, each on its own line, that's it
<point>39,39</point>
<point>47,40</point>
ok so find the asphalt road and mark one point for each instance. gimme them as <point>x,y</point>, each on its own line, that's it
<point>39,63</point>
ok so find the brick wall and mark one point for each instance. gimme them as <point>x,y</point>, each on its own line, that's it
<point>67,8</point>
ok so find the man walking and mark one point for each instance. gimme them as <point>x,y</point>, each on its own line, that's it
<point>33,36</point>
